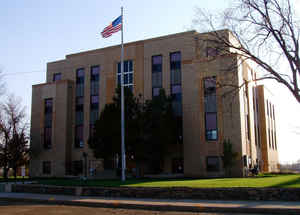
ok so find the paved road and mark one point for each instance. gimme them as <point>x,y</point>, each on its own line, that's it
<point>26,208</point>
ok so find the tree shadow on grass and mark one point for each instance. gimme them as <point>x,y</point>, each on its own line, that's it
<point>293,183</point>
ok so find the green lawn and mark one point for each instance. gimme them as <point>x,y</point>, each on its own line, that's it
<point>284,181</point>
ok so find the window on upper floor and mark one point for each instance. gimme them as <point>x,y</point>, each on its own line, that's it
<point>56,76</point>
<point>128,74</point>
<point>210,108</point>
<point>176,90</point>
<point>80,76</point>
<point>156,74</point>
<point>48,109</point>
<point>212,52</point>
<point>95,76</point>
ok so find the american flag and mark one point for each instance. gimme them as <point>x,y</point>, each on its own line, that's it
<point>113,27</point>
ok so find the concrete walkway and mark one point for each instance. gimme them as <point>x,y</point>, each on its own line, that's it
<point>270,207</point>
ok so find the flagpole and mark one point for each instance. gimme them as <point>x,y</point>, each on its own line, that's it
<point>122,104</point>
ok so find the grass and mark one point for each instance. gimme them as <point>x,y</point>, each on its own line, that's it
<point>282,181</point>
<point>13,179</point>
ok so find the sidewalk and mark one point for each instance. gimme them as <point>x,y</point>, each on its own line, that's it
<point>273,207</point>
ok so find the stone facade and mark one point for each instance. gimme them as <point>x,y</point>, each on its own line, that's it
<point>236,118</point>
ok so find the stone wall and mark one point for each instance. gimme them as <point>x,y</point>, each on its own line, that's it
<point>273,194</point>
<point>43,189</point>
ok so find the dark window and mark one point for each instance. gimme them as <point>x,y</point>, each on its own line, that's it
<point>47,137</point>
<point>56,76</point>
<point>77,167</point>
<point>79,116</point>
<point>95,73</point>
<point>210,107</point>
<point>156,74</point>
<point>211,126</point>
<point>80,82</point>
<point>176,94</point>
<point>95,80</point>
<point>267,104</point>
<point>176,90</point>
<point>80,76</point>
<point>48,123</point>
<point>212,52</point>
<point>128,74</point>
<point>212,164</point>
<point>48,106</point>
<point>155,91</point>
<point>94,113</point>
<point>79,136</point>
<point>94,102</point>
<point>79,111</point>
<point>46,167</point>
<point>79,104</point>
<point>94,99</point>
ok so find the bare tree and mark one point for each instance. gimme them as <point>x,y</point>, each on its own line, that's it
<point>2,84</point>
<point>262,32</point>
<point>14,147</point>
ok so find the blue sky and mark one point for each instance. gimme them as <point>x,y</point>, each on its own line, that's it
<point>35,32</point>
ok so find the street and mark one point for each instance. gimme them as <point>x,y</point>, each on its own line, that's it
<point>21,208</point>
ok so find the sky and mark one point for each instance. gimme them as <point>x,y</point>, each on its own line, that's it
<point>35,32</point>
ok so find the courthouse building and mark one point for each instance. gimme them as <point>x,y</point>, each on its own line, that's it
<point>201,82</point>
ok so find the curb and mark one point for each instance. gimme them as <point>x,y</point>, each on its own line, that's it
<point>157,207</point>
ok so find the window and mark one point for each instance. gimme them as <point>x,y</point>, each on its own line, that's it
<point>211,126</point>
<point>95,80</point>
<point>79,136</point>
<point>46,167</point>
<point>48,123</point>
<point>156,74</point>
<point>79,82</point>
<point>210,107</point>
<point>79,111</point>
<point>56,76</point>
<point>80,76</point>
<point>79,108</point>
<point>212,52</point>
<point>95,73</point>
<point>176,90</point>
<point>94,109</point>
<point>128,74</point>
<point>94,99</point>
<point>48,106</point>
<point>79,104</point>
<point>212,164</point>
<point>77,167</point>
<point>175,66</point>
